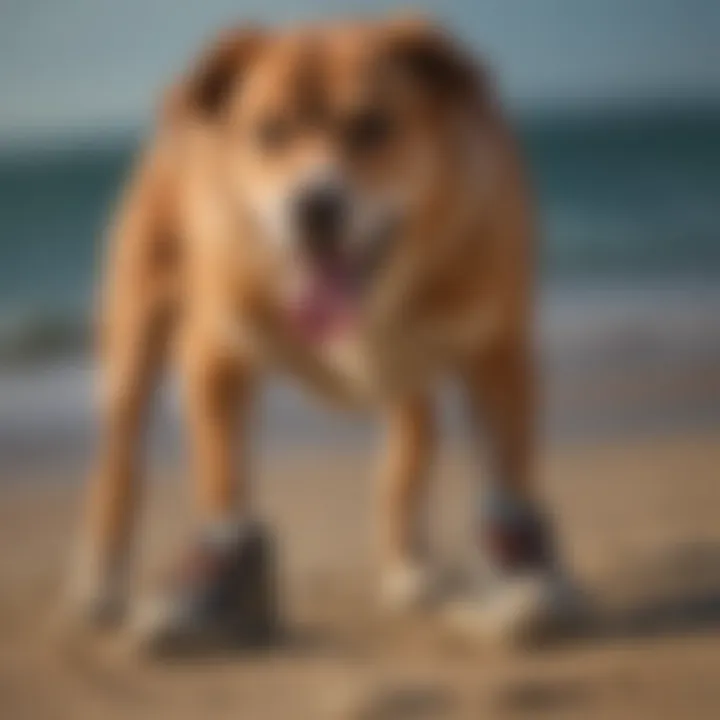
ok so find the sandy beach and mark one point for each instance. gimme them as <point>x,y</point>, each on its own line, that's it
<point>639,524</point>
<point>631,451</point>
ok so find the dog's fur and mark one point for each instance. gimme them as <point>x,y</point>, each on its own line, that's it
<point>204,262</point>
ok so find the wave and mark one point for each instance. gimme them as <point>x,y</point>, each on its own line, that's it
<point>577,320</point>
<point>35,335</point>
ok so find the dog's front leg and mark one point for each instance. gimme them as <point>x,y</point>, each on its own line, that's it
<point>500,389</point>
<point>218,390</point>
<point>521,592</point>
<point>223,591</point>
<point>403,477</point>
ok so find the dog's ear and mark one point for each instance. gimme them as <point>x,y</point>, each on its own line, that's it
<point>436,61</point>
<point>204,92</point>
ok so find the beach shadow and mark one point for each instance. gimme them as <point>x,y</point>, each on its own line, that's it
<point>533,697</point>
<point>288,642</point>
<point>408,701</point>
<point>672,593</point>
<point>676,592</point>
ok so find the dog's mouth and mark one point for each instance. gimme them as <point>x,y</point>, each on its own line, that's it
<point>326,301</point>
<point>328,297</point>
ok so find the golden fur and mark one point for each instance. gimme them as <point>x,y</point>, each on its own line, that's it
<point>192,279</point>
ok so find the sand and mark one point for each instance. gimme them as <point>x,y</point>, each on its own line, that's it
<point>638,518</point>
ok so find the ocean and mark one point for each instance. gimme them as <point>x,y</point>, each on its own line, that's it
<point>626,200</point>
<point>629,312</point>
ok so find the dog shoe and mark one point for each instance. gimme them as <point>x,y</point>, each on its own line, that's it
<point>520,595</point>
<point>221,596</point>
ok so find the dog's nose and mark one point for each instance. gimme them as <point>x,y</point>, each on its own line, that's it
<point>320,216</point>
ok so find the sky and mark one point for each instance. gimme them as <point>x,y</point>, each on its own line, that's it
<point>98,64</point>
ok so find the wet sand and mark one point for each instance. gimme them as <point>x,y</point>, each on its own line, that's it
<point>639,523</point>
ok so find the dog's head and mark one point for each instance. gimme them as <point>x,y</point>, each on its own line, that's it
<point>334,139</point>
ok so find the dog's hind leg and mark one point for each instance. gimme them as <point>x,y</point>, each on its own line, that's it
<point>134,327</point>
<point>133,347</point>
<point>403,478</point>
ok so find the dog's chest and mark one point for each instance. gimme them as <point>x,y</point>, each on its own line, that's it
<point>355,367</point>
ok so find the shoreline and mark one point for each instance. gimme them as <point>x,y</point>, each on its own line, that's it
<point>616,364</point>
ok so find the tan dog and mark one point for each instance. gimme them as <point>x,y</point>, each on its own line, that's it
<point>344,202</point>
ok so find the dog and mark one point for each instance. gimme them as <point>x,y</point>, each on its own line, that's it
<point>344,202</point>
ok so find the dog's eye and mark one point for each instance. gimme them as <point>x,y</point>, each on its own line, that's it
<point>368,131</point>
<point>273,133</point>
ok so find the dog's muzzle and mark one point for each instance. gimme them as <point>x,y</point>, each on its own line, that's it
<point>320,215</point>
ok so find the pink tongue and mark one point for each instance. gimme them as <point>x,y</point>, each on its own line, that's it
<point>325,306</point>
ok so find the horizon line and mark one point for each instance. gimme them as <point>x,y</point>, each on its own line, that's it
<point>69,136</point>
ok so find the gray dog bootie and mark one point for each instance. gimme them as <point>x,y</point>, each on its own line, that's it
<point>223,595</point>
<point>520,593</point>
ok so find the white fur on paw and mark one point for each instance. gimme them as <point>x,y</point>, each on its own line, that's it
<point>159,621</point>
<point>100,605</point>
<point>95,596</point>
<point>405,587</point>
<point>513,610</point>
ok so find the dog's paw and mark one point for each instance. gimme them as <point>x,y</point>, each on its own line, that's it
<point>516,610</point>
<point>95,597</point>
<point>406,587</point>
<point>102,607</point>
<point>163,626</point>
<point>221,595</point>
